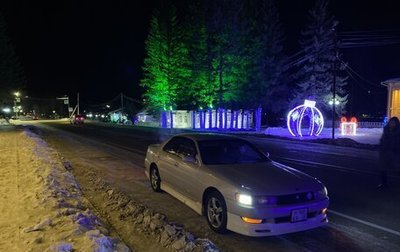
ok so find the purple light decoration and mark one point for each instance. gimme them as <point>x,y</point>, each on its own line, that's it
<point>295,118</point>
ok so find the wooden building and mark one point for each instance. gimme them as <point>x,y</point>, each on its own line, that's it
<point>393,101</point>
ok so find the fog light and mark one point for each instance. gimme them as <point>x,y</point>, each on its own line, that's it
<point>251,221</point>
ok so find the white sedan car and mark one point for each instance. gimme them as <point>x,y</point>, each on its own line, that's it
<point>236,186</point>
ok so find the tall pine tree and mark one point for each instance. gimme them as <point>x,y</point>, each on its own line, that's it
<point>315,76</point>
<point>12,76</point>
<point>274,72</point>
<point>227,53</point>
<point>165,68</point>
<point>200,91</point>
<point>269,80</point>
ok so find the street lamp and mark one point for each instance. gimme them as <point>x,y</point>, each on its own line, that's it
<point>336,102</point>
<point>335,44</point>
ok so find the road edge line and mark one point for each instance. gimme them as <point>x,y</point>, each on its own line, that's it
<point>394,232</point>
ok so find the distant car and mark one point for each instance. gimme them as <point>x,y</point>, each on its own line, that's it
<point>236,186</point>
<point>78,119</point>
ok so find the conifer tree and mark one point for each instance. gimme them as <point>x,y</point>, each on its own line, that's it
<point>267,84</point>
<point>200,91</point>
<point>12,76</point>
<point>227,52</point>
<point>274,72</point>
<point>315,76</point>
<point>165,67</point>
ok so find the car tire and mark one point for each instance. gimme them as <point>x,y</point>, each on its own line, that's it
<point>216,212</point>
<point>155,179</point>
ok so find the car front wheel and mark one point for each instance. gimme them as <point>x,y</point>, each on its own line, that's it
<point>155,179</point>
<point>216,212</point>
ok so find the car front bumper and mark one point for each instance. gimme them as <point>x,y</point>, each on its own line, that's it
<point>236,224</point>
<point>277,220</point>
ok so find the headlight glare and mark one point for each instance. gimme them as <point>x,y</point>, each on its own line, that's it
<point>244,199</point>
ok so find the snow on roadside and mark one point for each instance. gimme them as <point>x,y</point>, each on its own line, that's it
<point>364,135</point>
<point>137,217</point>
<point>42,206</point>
<point>3,121</point>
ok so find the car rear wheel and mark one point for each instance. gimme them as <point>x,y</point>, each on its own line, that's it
<point>216,212</point>
<point>155,179</point>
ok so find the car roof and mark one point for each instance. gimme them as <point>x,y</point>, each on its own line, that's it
<point>208,136</point>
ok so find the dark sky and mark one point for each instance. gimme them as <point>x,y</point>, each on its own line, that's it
<point>97,47</point>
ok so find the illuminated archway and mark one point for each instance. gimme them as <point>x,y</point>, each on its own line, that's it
<point>295,118</point>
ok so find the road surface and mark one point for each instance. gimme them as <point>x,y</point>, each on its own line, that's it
<point>361,217</point>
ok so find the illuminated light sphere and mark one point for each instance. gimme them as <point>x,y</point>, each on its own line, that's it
<point>297,115</point>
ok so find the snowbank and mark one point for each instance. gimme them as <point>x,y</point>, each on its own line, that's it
<point>137,217</point>
<point>363,136</point>
<point>3,121</point>
<point>42,207</point>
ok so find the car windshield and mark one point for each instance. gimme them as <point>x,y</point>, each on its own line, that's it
<point>229,151</point>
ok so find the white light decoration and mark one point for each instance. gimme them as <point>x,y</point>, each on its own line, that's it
<point>295,118</point>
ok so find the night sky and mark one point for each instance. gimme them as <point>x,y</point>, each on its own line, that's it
<point>97,47</point>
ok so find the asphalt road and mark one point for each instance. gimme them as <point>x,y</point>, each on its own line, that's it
<point>358,212</point>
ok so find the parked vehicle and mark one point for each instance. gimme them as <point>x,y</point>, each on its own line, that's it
<point>78,119</point>
<point>236,186</point>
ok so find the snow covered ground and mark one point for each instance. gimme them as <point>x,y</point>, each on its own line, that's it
<point>364,135</point>
<point>42,207</point>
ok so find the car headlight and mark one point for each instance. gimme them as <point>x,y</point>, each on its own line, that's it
<point>244,199</point>
<point>321,194</point>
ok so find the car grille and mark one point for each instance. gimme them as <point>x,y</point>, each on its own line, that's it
<point>295,198</point>
<point>286,219</point>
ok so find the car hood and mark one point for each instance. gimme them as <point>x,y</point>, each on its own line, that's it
<point>270,178</point>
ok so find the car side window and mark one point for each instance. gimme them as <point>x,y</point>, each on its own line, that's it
<point>187,148</point>
<point>172,145</point>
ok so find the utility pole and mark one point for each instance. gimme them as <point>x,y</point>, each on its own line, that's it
<point>122,105</point>
<point>78,102</point>
<point>334,80</point>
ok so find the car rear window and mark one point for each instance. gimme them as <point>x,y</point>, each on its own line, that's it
<point>229,151</point>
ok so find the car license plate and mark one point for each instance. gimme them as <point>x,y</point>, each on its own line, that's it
<point>299,215</point>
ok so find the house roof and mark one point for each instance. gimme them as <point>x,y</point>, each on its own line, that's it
<point>391,81</point>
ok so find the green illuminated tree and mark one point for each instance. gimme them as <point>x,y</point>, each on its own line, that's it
<point>165,67</point>
<point>12,76</point>
<point>315,76</point>
<point>227,52</point>
<point>200,91</point>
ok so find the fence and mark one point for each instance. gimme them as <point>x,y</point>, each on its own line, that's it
<point>328,124</point>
